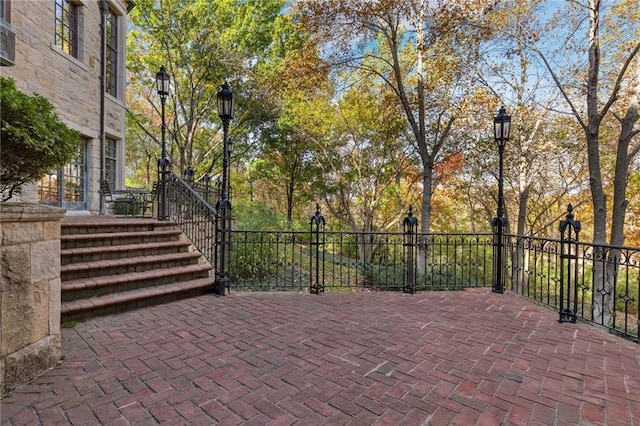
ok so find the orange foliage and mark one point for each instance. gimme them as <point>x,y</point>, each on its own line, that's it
<point>451,165</point>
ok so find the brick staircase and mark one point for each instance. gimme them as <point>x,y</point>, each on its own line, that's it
<point>111,264</point>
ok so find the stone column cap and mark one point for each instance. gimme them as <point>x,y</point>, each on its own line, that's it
<point>27,212</point>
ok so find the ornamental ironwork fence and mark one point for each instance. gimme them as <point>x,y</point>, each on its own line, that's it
<point>582,281</point>
<point>350,261</point>
<point>597,284</point>
<point>300,261</point>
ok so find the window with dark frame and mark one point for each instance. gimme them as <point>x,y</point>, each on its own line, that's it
<point>5,10</point>
<point>67,27</point>
<point>112,53</point>
<point>7,35</point>
<point>66,187</point>
<point>110,162</point>
<point>74,180</point>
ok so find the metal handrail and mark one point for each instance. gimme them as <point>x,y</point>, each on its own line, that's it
<point>194,215</point>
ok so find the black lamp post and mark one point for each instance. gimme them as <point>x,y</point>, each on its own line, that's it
<point>501,127</point>
<point>162,82</point>
<point>225,112</point>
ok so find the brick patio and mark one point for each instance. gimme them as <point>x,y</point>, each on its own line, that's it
<point>436,358</point>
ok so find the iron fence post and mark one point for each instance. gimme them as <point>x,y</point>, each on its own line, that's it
<point>569,232</point>
<point>316,231</point>
<point>207,186</point>
<point>410,226</point>
<point>189,174</point>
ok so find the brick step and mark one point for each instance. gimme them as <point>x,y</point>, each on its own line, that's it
<point>93,225</point>
<point>92,254</point>
<point>100,268</point>
<point>111,265</point>
<point>101,286</point>
<point>117,238</point>
<point>133,299</point>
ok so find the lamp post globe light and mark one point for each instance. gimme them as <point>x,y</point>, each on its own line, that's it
<point>223,206</point>
<point>163,81</point>
<point>501,128</point>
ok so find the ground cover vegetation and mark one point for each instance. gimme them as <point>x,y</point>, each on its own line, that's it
<point>368,107</point>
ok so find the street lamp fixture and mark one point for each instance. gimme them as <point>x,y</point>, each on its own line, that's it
<point>163,81</point>
<point>223,207</point>
<point>225,103</point>
<point>501,128</point>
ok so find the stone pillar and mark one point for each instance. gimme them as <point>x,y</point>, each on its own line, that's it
<point>29,291</point>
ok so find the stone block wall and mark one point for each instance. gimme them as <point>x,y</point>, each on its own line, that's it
<point>29,291</point>
<point>71,84</point>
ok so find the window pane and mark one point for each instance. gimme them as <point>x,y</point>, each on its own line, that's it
<point>66,37</point>
<point>67,188</point>
<point>74,181</point>
<point>48,190</point>
<point>110,162</point>
<point>112,53</point>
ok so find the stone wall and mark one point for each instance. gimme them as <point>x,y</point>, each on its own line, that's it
<point>71,84</point>
<point>29,291</point>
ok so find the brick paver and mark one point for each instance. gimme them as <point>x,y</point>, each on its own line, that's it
<point>468,358</point>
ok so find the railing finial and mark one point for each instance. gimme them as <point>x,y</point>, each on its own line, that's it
<point>317,218</point>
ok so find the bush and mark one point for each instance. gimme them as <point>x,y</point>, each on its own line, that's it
<point>389,277</point>
<point>33,139</point>
<point>125,207</point>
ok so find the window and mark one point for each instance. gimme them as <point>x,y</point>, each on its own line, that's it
<point>110,162</point>
<point>67,27</point>
<point>112,53</point>
<point>7,36</point>
<point>66,188</point>
<point>74,181</point>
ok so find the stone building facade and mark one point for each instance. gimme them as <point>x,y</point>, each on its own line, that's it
<point>72,52</point>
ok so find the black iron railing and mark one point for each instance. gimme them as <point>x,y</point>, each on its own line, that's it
<point>597,284</point>
<point>196,217</point>
<point>291,261</point>
<point>601,283</point>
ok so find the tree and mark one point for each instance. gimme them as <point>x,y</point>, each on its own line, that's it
<point>419,50</point>
<point>609,96</point>
<point>297,102</point>
<point>33,139</point>
<point>364,160</point>
<point>202,44</point>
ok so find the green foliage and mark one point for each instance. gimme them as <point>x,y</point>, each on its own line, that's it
<point>394,276</point>
<point>258,216</point>
<point>124,207</point>
<point>33,139</point>
<point>70,324</point>
<point>202,44</point>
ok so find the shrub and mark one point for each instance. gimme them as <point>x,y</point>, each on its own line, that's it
<point>124,207</point>
<point>33,139</point>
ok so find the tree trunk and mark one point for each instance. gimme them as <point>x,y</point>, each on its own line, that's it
<point>602,303</point>
<point>518,271</point>
<point>425,216</point>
